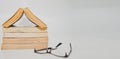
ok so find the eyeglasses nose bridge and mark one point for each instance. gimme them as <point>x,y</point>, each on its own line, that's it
<point>49,50</point>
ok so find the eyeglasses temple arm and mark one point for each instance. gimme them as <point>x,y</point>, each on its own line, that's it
<point>58,45</point>
<point>67,55</point>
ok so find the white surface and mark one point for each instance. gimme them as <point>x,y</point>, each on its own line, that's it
<point>92,26</point>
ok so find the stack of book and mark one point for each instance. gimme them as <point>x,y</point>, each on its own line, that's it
<point>24,37</point>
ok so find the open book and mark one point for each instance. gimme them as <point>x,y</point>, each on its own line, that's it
<point>19,13</point>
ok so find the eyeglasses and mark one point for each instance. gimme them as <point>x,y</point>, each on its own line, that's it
<point>50,49</point>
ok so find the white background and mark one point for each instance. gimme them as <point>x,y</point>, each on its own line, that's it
<point>92,26</point>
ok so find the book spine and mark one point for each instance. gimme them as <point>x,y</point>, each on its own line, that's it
<point>25,35</point>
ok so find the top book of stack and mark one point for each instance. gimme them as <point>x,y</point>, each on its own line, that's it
<point>19,13</point>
